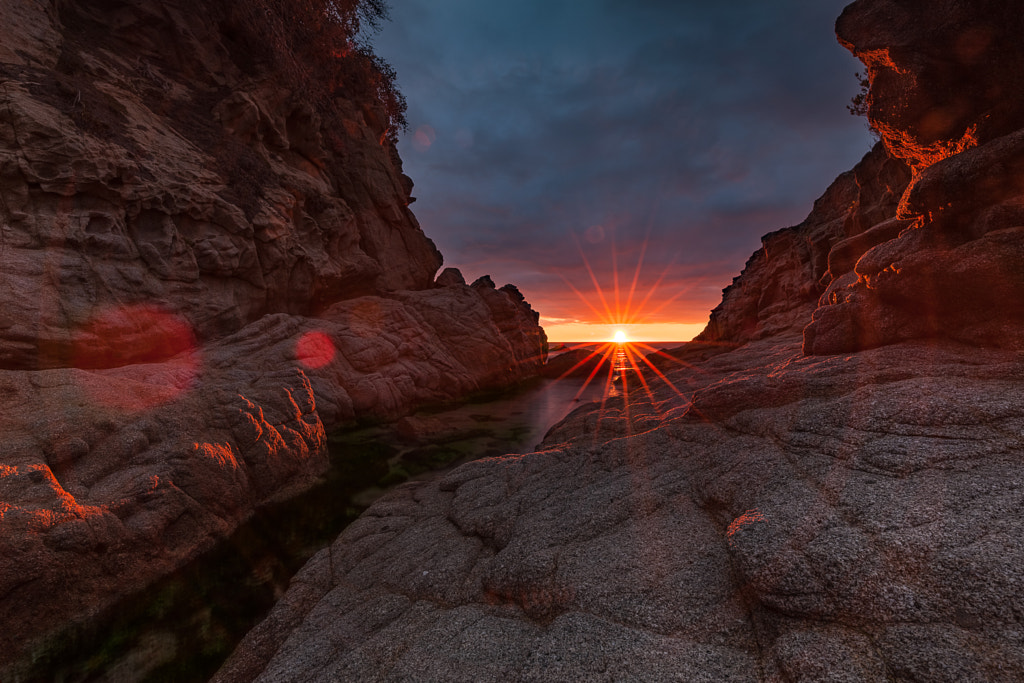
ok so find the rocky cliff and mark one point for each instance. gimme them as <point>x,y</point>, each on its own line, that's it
<point>946,97</point>
<point>834,497</point>
<point>202,271</point>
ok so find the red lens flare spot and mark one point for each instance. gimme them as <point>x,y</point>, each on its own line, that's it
<point>136,333</point>
<point>314,350</point>
<point>135,357</point>
<point>423,138</point>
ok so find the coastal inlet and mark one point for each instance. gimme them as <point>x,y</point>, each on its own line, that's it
<point>184,626</point>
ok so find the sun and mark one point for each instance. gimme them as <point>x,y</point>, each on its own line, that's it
<point>629,364</point>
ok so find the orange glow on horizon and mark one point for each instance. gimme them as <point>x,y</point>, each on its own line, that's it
<point>561,332</point>
<point>625,308</point>
<point>616,346</point>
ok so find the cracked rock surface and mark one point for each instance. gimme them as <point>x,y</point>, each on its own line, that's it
<point>200,276</point>
<point>828,489</point>
<point>782,518</point>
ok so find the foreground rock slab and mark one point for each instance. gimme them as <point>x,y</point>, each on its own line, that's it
<point>841,518</point>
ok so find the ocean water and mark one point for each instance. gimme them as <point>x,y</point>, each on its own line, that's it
<point>561,347</point>
<point>512,423</point>
<point>518,421</point>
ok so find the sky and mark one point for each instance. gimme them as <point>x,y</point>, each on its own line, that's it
<point>564,145</point>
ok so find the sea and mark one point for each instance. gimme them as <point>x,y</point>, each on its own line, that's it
<point>528,413</point>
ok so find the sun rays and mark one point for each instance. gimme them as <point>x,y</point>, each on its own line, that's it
<point>624,365</point>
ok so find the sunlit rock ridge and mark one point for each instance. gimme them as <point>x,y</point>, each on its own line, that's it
<point>200,275</point>
<point>829,490</point>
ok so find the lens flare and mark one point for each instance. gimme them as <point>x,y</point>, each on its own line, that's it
<point>633,373</point>
<point>134,357</point>
<point>314,350</point>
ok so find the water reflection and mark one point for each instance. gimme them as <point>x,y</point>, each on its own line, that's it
<point>622,372</point>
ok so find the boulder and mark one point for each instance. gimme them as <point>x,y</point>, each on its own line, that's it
<point>450,277</point>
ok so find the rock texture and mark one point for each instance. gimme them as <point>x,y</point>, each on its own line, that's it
<point>782,282</point>
<point>200,276</point>
<point>786,518</point>
<point>827,488</point>
<point>946,98</point>
<point>921,239</point>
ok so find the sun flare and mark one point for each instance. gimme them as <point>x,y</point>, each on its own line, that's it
<point>629,365</point>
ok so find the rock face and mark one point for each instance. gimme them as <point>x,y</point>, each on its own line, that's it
<point>787,518</point>
<point>942,80</point>
<point>200,276</point>
<point>828,490</point>
<point>782,282</point>
<point>946,98</point>
<point>131,177</point>
<point>922,239</point>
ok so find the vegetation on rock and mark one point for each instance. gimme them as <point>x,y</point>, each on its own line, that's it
<point>321,46</point>
<point>858,105</point>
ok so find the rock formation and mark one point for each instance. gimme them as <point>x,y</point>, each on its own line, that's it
<point>201,274</point>
<point>834,496</point>
<point>946,98</point>
<point>798,518</point>
<point>782,282</point>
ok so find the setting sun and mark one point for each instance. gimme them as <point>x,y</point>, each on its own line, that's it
<point>624,304</point>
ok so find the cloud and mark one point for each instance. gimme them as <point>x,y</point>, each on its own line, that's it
<point>695,126</point>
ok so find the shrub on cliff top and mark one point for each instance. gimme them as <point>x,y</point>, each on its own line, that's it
<point>858,105</point>
<point>320,46</point>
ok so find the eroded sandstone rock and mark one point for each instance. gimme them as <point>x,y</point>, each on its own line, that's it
<point>945,98</point>
<point>131,178</point>
<point>944,77</point>
<point>816,518</point>
<point>201,275</point>
<point>782,282</point>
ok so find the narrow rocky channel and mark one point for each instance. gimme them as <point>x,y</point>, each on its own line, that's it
<point>183,627</point>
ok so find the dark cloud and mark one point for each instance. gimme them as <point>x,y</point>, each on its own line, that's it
<point>695,126</point>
